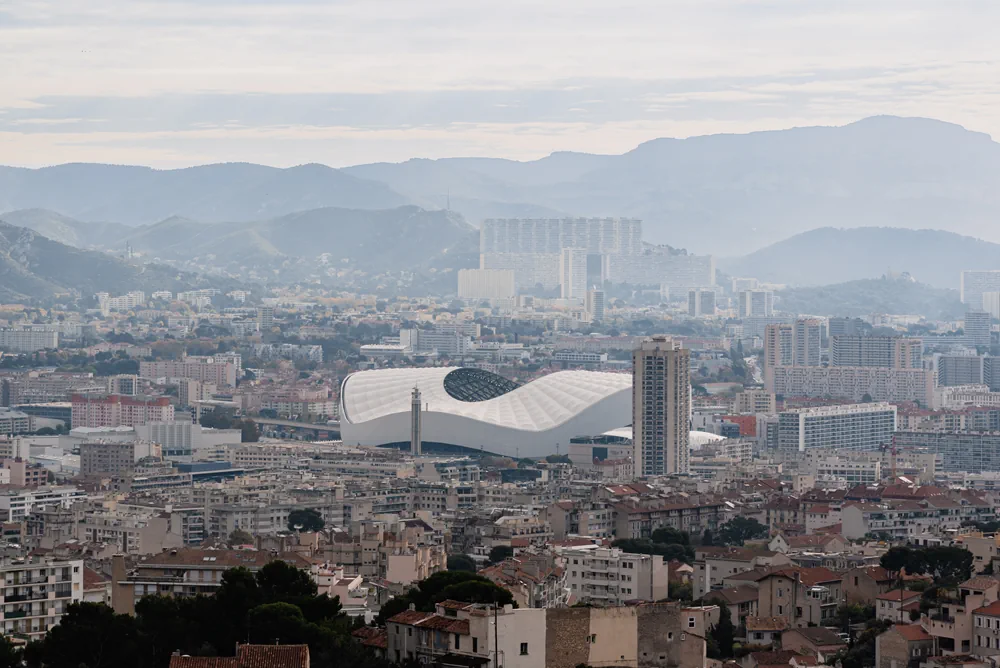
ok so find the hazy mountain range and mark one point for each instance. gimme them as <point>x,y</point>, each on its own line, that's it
<point>873,295</point>
<point>828,255</point>
<point>723,194</point>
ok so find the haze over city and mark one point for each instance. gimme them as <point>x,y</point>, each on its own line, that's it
<point>340,334</point>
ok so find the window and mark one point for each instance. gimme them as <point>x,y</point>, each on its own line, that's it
<point>593,638</point>
<point>781,592</point>
<point>475,645</point>
<point>781,610</point>
<point>458,641</point>
<point>524,649</point>
<point>670,635</point>
<point>409,631</point>
<point>690,622</point>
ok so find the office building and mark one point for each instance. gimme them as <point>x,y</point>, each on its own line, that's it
<point>853,383</point>
<point>661,406</point>
<point>890,352</point>
<point>596,305</point>
<point>977,327</point>
<point>37,591</point>
<point>854,427</point>
<point>190,391</point>
<point>955,370</point>
<point>975,283</point>
<point>573,273</point>
<point>113,410</point>
<point>450,343</point>
<point>27,339</point>
<point>806,342</point>
<point>756,303</point>
<point>610,577</point>
<point>486,284</point>
<point>16,422</point>
<point>701,302</point>
<point>185,441</point>
<point>107,458</point>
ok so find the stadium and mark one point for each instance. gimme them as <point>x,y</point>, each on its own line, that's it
<point>468,409</point>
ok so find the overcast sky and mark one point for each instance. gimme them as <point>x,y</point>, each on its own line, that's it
<point>174,83</point>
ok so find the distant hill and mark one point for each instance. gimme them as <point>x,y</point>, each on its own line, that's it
<point>877,295</point>
<point>829,255</point>
<point>34,267</point>
<point>70,231</point>
<point>404,238</point>
<point>223,192</point>
<point>730,194</point>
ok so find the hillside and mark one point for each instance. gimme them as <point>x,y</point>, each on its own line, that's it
<point>404,238</point>
<point>829,255</point>
<point>223,192</point>
<point>70,231</point>
<point>34,267</point>
<point>874,295</point>
<point>730,194</point>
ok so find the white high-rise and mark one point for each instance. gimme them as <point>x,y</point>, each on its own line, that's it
<point>991,304</point>
<point>486,284</point>
<point>661,407</point>
<point>975,283</point>
<point>596,305</point>
<point>756,303</point>
<point>573,273</point>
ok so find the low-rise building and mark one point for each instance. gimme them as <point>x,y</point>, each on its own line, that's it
<point>610,576</point>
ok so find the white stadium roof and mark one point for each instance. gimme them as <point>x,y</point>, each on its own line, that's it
<point>475,409</point>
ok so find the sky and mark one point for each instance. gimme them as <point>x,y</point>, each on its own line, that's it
<point>172,83</point>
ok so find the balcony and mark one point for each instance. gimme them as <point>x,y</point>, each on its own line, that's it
<point>17,614</point>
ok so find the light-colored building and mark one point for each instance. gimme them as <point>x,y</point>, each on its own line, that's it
<point>596,305</point>
<point>486,284</point>
<point>119,411</point>
<point>573,273</point>
<point>28,339</point>
<point>661,407</point>
<point>753,401</point>
<point>185,441</point>
<point>807,342</point>
<point>611,577</point>
<point>701,303</point>
<point>853,427</point>
<point>890,352</point>
<point>205,369</point>
<point>36,593</point>
<point>973,284</point>
<point>756,303</point>
<point>853,383</point>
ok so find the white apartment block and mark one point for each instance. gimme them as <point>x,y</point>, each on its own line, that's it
<point>573,273</point>
<point>15,504</point>
<point>661,407</point>
<point>756,303</point>
<point>852,383</point>
<point>486,284</point>
<point>27,339</point>
<point>604,236</point>
<point>36,594</point>
<point>754,401</point>
<point>974,283</point>
<point>184,441</point>
<point>853,427</point>
<point>611,577</point>
<point>205,369</point>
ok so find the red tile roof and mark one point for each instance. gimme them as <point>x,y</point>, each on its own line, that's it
<point>912,632</point>
<point>898,595</point>
<point>272,656</point>
<point>993,609</point>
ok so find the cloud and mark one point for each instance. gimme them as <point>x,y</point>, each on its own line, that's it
<point>149,67</point>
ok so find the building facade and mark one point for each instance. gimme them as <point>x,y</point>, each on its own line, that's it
<point>661,406</point>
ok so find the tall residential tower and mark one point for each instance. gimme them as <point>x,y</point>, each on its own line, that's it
<point>661,406</point>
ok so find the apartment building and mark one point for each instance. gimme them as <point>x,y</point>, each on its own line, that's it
<point>16,504</point>
<point>28,339</point>
<point>205,369</point>
<point>535,581</point>
<point>713,565</point>
<point>753,401</point>
<point>661,407</point>
<point>36,593</point>
<point>891,352</point>
<point>756,303</point>
<point>952,621</point>
<point>611,577</point>
<point>640,519</point>
<point>853,383</point>
<point>117,411</point>
<point>853,427</point>
<point>969,451</point>
<point>184,572</point>
<point>486,284</point>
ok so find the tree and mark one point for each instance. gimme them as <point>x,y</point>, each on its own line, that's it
<point>501,552</point>
<point>274,623</point>
<point>866,398</point>
<point>948,565</point>
<point>671,536</point>
<point>680,591</point>
<point>306,519</point>
<point>707,538</point>
<point>10,656</point>
<point>461,562</point>
<point>723,634</point>
<point>248,431</point>
<point>739,530</point>
<point>91,635</point>
<point>240,537</point>
<point>280,581</point>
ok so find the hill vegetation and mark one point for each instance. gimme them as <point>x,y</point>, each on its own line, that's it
<point>899,296</point>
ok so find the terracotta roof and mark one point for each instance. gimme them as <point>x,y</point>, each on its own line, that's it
<point>733,595</point>
<point>877,573</point>
<point>993,609</point>
<point>780,658</point>
<point>203,662</point>
<point>272,656</point>
<point>250,656</point>
<point>766,623</point>
<point>409,617</point>
<point>448,624</point>
<point>92,579</point>
<point>980,582</point>
<point>898,595</point>
<point>370,636</point>
<point>815,540</point>
<point>912,632</point>
<point>820,636</point>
